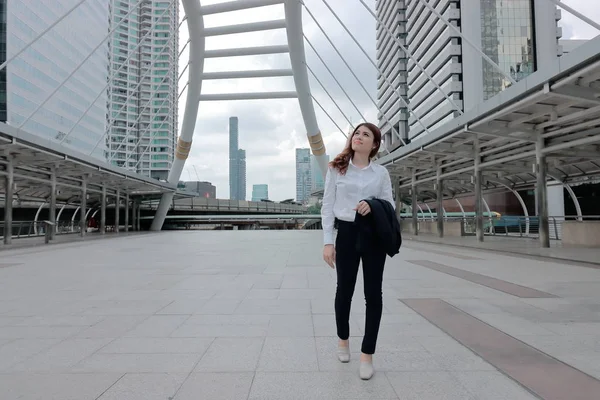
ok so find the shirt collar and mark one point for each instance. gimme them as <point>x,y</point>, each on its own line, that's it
<point>370,166</point>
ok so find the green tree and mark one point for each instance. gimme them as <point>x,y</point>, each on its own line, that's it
<point>314,209</point>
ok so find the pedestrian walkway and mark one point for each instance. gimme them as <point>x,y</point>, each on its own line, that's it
<point>517,245</point>
<point>249,315</point>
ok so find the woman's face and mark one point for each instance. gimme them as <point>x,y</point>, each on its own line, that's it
<point>362,140</point>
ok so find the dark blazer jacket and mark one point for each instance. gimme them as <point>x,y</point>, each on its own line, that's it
<point>380,227</point>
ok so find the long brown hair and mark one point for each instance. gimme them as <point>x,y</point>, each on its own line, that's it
<point>342,160</point>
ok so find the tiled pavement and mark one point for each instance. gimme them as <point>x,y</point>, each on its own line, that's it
<point>249,315</point>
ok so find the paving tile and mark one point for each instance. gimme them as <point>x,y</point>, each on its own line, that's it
<point>216,386</point>
<point>145,387</point>
<point>19,350</point>
<point>157,326</point>
<point>231,355</point>
<point>429,385</point>
<point>291,326</point>
<point>319,385</point>
<point>141,363</point>
<point>288,354</point>
<point>55,386</point>
<point>62,356</point>
<point>158,346</point>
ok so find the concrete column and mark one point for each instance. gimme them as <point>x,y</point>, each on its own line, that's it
<point>117,210</point>
<point>542,193</point>
<point>440,203</point>
<point>127,213</point>
<point>396,185</point>
<point>133,215</point>
<point>472,61</point>
<point>138,216</point>
<point>83,208</point>
<point>478,193</point>
<point>546,42</point>
<point>52,211</point>
<point>103,211</point>
<point>9,181</point>
<point>415,216</point>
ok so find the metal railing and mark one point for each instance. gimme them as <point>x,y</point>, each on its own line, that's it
<point>25,229</point>
<point>512,226</point>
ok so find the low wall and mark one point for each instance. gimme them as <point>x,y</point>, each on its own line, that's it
<point>451,228</point>
<point>581,233</point>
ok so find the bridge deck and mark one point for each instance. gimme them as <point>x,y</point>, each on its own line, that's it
<point>249,314</point>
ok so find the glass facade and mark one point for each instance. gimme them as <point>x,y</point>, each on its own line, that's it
<point>260,192</point>
<point>3,115</point>
<point>142,106</point>
<point>53,59</point>
<point>507,37</point>
<point>303,175</point>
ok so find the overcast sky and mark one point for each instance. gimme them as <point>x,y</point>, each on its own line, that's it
<point>271,130</point>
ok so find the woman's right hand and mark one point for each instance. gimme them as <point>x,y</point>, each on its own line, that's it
<point>329,255</point>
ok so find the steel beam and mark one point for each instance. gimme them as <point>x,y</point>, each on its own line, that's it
<point>117,210</point>
<point>440,203</point>
<point>413,206</point>
<point>478,192</point>
<point>9,182</point>
<point>82,210</point>
<point>244,28</point>
<point>52,210</point>
<point>127,212</point>
<point>542,193</point>
<point>248,96</point>
<point>103,211</point>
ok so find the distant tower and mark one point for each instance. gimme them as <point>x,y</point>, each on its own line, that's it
<point>303,175</point>
<point>241,195</point>
<point>233,158</point>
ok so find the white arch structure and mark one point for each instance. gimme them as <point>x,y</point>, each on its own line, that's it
<point>198,33</point>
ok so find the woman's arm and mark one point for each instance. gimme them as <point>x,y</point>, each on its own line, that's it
<point>386,188</point>
<point>327,217</point>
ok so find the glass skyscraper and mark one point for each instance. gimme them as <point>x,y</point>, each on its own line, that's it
<point>303,175</point>
<point>237,163</point>
<point>260,192</point>
<point>28,81</point>
<point>518,35</point>
<point>142,104</point>
<point>507,38</point>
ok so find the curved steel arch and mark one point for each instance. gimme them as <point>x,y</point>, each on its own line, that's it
<point>195,24</point>
<point>295,37</point>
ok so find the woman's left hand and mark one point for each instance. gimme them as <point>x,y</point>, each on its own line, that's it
<point>363,208</point>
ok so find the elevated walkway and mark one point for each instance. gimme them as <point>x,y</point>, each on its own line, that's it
<point>514,245</point>
<point>249,315</point>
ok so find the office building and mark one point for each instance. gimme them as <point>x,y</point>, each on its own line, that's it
<point>202,188</point>
<point>521,36</point>
<point>30,78</point>
<point>260,192</point>
<point>303,175</point>
<point>568,45</point>
<point>241,174</point>
<point>317,179</point>
<point>143,90</point>
<point>237,163</point>
<point>233,158</point>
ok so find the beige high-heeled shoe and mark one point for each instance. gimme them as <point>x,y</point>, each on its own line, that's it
<point>343,353</point>
<point>366,370</point>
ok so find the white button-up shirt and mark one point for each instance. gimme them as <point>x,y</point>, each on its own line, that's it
<point>343,193</point>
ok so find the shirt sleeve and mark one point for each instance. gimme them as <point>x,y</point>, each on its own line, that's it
<point>327,216</point>
<point>386,188</point>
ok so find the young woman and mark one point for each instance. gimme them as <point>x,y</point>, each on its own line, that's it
<point>352,177</point>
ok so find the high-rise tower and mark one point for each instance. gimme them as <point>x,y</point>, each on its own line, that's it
<point>142,104</point>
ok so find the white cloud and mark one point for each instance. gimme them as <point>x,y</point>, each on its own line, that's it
<point>270,130</point>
